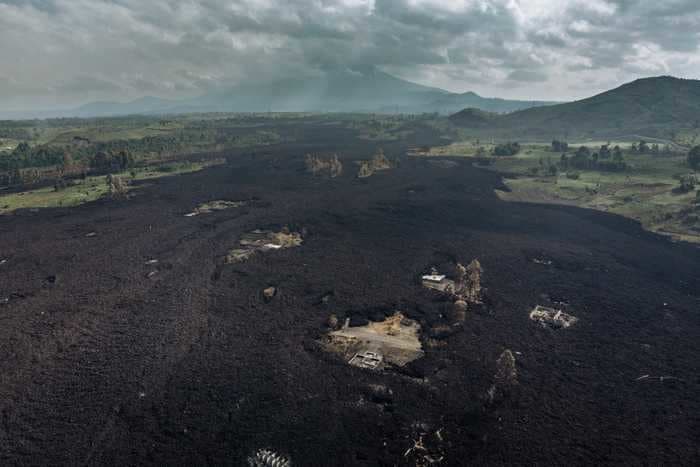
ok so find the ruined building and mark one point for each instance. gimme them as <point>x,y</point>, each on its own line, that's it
<point>378,162</point>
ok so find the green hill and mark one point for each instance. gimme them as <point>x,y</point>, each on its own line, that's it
<point>653,107</point>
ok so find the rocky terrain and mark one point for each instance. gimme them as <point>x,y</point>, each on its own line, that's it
<point>126,338</point>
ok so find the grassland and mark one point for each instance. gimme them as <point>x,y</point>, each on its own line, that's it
<point>89,189</point>
<point>646,191</point>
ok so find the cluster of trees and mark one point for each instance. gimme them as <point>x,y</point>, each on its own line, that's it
<point>24,156</point>
<point>645,148</point>
<point>604,158</point>
<point>506,149</point>
<point>17,130</point>
<point>112,162</point>
<point>687,183</point>
<point>378,162</point>
<point>560,146</point>
<point>694,158</point>
<point>320,166</point>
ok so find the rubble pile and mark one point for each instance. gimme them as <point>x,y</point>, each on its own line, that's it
<point>213,206</point>
<point>263,241</point>
<point>317,166</point>
<point>394,341</point>
<point>377,163</point>
<point>551,317</point>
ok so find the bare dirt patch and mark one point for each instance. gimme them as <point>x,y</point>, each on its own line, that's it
<point>217,205</point>
<point>394,341</point>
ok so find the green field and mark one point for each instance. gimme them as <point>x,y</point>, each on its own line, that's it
<point>646,191</point>
<point>89,189</point>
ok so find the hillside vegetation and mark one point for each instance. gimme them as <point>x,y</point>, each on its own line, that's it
<point>653,107</point>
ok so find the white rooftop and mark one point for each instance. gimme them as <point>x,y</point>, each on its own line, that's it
<point>434,277</point>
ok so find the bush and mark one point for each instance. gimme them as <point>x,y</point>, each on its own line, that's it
<point>687,183</point>
<point>506,149</point>
<point>559,146</point>
<point>61,184</point>
<point>573,175</point>
<point>694,158</point>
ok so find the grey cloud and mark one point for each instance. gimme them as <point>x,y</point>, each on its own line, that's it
<point>527,76</point>
<point>128,48</point>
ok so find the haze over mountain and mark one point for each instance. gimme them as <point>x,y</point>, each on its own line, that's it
<point>364,90</point>
<point>649,106</point>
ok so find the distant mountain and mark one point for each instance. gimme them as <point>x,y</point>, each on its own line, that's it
<point>368,90</point>
<point>140,106</point>
<point>454,102</point>
<point>363,90</point>
<point>650,106</point>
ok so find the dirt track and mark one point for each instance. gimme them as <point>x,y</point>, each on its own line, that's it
<point>104,365</point>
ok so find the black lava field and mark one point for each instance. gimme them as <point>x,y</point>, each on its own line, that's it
<point>109,358</point>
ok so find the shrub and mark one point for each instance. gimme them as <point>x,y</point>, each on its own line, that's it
<point>694,158</point>
<point>687,183</point>
<point>506,149</point>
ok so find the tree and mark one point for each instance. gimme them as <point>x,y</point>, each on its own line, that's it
<point>473,282</point>
<point>564,162</point>
<point>505,379</point>
<point>687,183</point>
<point>694,158</point>
<point>506,149</point>
<point>117,187</point>
<point>617,154</point>
<point>559,146</point>
<point>583,151</point>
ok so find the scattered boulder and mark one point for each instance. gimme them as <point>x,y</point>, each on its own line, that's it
<point>269,293</point>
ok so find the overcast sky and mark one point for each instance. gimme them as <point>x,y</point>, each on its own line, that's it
<point>61,52</point>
